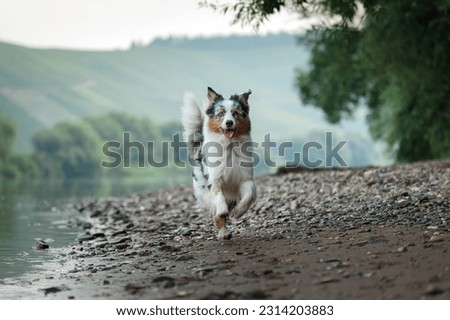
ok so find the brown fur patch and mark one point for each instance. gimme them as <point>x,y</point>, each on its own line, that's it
<point>214,125</point>
<point>242,126</point>
<point>220,222</point>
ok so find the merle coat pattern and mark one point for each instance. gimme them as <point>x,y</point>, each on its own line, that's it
<point>218,138</point>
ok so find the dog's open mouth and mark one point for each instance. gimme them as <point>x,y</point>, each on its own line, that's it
<point>229,133</point>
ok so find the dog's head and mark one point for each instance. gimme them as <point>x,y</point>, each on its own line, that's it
<point>229,117</point>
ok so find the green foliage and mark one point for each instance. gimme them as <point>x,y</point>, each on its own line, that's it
<point>8,133</point>
<point>112,126</point>
<point>338,81</point>
<point>8,171</point>
<point>26,165</point>
<point>169,129</point>
<point>50,167</point>
<point>74,149</point>
<point>410,69</point>
<point>247,12</point>
<point>74,145</point>
<point>13,166</point>
<point>390,55</point>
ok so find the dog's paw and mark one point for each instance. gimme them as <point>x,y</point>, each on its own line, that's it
<point>221,219</point>
<point>224,234</point>
<point>237,212</point>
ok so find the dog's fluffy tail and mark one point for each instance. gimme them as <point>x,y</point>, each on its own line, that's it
<point>192,120</point>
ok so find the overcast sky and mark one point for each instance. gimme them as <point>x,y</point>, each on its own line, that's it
<point>113,24</point>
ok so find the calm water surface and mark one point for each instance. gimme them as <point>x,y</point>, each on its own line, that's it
<point>40,211</point>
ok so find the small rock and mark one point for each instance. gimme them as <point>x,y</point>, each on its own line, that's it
<point>96,214</point>
<point>436,239</point>
<point>227,295</point>
<point>121,246</point>
<point>186,232</point>
<point>293,205</point>
<point>184,258</point>
<point>255,295</point>
<point>116,241</point>
<point>432,290</point>
<point>87,225</point>
<point>167,282</point>
<point>133,289</point>
<point>54,289</point>
<point>41,245</point>
<point>99,235</point>
<point>402,249</point>
<point>85,237</point>
<point>327,280</point>
<point>101,244</point>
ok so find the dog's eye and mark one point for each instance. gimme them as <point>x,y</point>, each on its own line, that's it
<point>220,114</point>
<point>236,114</point>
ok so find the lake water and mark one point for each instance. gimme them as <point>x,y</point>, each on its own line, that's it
<point>40,211</point>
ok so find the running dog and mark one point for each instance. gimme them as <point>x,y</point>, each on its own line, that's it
<point>218,140</point>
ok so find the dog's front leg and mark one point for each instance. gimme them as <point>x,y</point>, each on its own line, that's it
<point>221,214</point>
<point>248,194</point>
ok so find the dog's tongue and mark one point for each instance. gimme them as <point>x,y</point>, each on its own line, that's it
<point>228,133</point>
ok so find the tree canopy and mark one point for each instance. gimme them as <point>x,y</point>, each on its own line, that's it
<point>8,133</point>
<point>13,165</point>
<point>391,56</point>
<point>73,149</point>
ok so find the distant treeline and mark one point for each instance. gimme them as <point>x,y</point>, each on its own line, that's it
<point>13,165</point>
<point>74,148</point>
<point>226,43</point>
<point>123,143</point>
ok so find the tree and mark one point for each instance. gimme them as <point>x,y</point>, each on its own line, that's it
<point>389,55</point>
<point>13,166</point>
<point>8,132</point>
<point>70,147</point>
<point>112,127</point>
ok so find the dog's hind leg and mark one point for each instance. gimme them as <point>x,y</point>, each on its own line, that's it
<point>220,213</point>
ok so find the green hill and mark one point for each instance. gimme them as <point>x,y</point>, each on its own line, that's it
<point>40,87</point>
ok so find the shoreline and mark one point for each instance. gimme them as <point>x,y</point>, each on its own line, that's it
<point>364,233</point>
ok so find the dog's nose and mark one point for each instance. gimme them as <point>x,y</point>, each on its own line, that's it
<point>229,123</point>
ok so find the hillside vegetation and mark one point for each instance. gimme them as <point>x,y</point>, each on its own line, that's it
<point>39,88</point>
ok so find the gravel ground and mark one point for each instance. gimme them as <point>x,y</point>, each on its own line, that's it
<point>371,233</point>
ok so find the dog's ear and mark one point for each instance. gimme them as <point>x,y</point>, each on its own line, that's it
<point>213,96</point>
<point>243,99</point>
